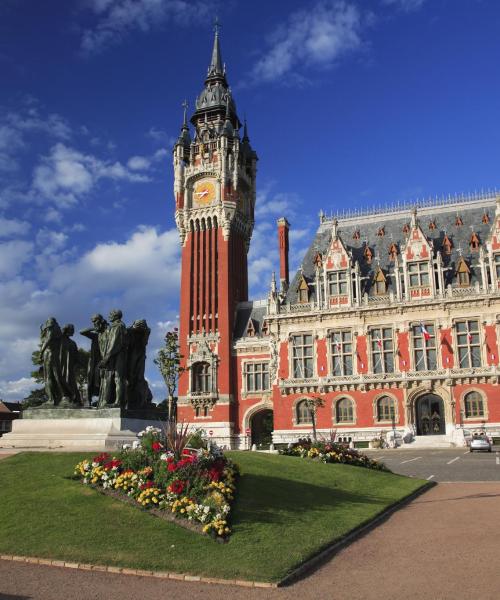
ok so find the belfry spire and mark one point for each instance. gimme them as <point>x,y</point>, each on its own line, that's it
<point>216,67</point>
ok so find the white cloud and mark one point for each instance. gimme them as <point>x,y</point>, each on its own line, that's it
<point>16,390</point>
<point>13,227</point>
<point>118,18</point>
<point>13,255</point>
<point>67,174</point>
<point>138,163</point>
<point>140,275</point>
<point>315,37</point>
<point>405,5</point>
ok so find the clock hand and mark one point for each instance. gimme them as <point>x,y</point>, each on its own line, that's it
<point>204,193</point>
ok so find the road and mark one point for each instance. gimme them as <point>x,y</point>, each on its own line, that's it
<point>443,465</point>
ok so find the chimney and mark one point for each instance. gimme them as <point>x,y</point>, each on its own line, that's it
<point>283,227</point>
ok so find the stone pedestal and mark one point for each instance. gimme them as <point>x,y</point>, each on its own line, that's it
<point>75,429</point>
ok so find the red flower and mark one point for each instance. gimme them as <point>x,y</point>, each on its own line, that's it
<point>147,485</point>
<point>111,464</point>
<point>156,446</point>
<point>214,474</point>
<point>176,487</point>
<point>171,467</point>
<point>101,458</point>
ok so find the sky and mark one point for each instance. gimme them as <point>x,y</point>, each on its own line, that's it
<point>350,103</point>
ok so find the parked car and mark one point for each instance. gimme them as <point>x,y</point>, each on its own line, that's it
<point>481,443</point>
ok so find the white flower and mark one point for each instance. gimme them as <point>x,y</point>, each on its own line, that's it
<point>136,443</point>
<point>126,446</point>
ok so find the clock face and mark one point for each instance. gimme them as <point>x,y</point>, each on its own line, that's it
<point>204,193</point>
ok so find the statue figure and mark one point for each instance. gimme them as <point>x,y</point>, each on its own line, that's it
<point>69,358</point>
<point>139,395</point>
<point>55,386</point>
<point>97,334</point>
<point>113,364</point>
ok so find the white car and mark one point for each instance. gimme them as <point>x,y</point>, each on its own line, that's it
<point>481,443</point>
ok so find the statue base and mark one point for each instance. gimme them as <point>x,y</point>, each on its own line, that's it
<point>77,429</point>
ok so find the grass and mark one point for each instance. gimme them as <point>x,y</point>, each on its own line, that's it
<point>287,509</point>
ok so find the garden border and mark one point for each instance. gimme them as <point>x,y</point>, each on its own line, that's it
<point>307,567</point>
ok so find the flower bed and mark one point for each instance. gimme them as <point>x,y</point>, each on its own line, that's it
<point>332,452</point>
<point>192,485</point>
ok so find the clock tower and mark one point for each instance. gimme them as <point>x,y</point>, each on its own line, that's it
<point>214,187</point>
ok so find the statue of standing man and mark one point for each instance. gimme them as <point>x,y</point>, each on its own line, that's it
<point>97,334</point>
<point>113,364</point>
<point>50,350</point>
<point>69,359</point>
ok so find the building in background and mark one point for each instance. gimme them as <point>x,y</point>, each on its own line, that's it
<point>392,320</point>
<point>8,412</point>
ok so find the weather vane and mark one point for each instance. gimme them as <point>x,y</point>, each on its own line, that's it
<point>217,25</point>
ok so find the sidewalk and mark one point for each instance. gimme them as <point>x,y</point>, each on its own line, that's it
<point>442,546</point>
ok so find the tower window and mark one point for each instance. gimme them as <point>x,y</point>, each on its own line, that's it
<point>201,378</point>
<point>463,273</point>
<point>447,245</point>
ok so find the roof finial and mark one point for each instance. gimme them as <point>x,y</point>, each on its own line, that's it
<point>216,62</point>
<point>185,106</point>
<point>245,130</point>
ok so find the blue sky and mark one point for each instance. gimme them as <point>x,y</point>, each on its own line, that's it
<point>349,104</point>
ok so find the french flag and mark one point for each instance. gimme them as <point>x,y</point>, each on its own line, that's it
<point>379,342</point>
<point>425,333</point>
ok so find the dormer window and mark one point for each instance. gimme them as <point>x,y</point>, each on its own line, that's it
<point>463,273</point>
<point>356,235</point>
<point>418,274</point>
<point>432,225</point>
<point>447,245</point>
<point>486,218</point>
<point>474,241</point>
<point>379,283</point>
<point>393,252</point>
<point>251,329</point>
<point>318,260</point>
<point>406,228</point>
<point>337,283</point>
<point>265,328</point>
<point>381,232</point>
<point>458,221</point>
<point>368,254</point>
<point>303,291</point>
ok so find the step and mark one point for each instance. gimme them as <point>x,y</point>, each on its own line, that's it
<point>432,441</point>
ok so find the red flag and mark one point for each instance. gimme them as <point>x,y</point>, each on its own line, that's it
<point>379,342</point>
<point>425,333</point>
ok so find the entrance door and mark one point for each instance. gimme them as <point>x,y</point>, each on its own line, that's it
<point>430,415</point>
<point>262,425</point>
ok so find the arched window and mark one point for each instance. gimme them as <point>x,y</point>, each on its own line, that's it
<point>474,405</point>
<point>344,411</point>
<point>201,377</point>
<point>386,409</point>
<point>303,413</point>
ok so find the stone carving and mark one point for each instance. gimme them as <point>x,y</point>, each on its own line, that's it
<point>273,358</point>
<point>50,352</point>
<point>113,364</point>
<point>97,334</point>
<point>138,393</point>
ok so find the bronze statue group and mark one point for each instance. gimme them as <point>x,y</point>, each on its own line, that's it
<point>116,365</point>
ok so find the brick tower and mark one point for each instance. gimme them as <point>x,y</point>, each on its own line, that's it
<point>214,186</point>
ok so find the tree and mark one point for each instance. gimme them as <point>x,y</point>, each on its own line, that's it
<point>168,361</point>
<point>34,398</point>
<point>313,404</point>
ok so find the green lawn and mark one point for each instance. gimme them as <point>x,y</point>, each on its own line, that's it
<point>286,510</point>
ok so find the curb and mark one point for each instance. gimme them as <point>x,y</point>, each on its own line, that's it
<point>325,554</point>
<point>137,572</point>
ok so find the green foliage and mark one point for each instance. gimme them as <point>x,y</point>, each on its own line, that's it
<point>168,361</point>
<point>34,398</point>
<point>196,440</point>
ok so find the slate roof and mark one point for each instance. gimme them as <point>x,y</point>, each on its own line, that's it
<point>444,216</point>
<point>249,310</point>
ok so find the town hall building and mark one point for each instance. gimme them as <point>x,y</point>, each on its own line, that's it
<point>390,325</point>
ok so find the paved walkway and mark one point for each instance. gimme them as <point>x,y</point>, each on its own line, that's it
<point>445,545</point>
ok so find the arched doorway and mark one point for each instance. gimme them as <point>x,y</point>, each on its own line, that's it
<point>262,425</point>
<point>429,413</point>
